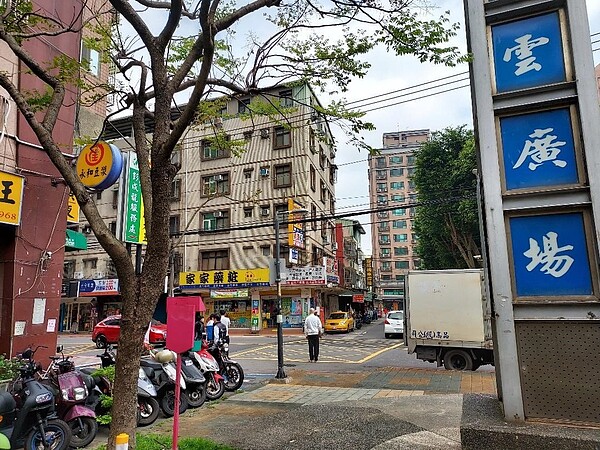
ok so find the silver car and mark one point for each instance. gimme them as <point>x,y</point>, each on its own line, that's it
<point>393,324</point>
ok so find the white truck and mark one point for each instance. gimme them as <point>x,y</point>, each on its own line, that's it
<point>447,318</point>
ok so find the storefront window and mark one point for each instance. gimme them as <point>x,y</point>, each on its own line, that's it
<point>238,311</point>
<point>291,310</point>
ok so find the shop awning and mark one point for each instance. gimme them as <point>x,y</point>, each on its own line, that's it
<point>75,241</point>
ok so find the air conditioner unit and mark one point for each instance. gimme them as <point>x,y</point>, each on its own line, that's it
<point>326,240</point>
<point>97,275</point>
<point>264,212</point>
<point>264,171</point>
<point>335,246</point>
<point>78,275</point>
<point>218,122</point>
<point>264,133</point>
<point>381,189</point>
<point>314,117</point>
<point>218,177</point>
<point>87,229</point>
<point>219,214</point>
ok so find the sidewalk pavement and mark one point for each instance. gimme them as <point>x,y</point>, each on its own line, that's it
<point>386,409</point>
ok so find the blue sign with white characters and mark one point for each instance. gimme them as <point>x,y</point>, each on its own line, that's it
<point>528,53</point>
<point>538,149</point>
<point>550,255</point>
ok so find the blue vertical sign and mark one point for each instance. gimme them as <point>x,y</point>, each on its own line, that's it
<point>550,255</point>
<point>538,149</point>
<point>528,53</point>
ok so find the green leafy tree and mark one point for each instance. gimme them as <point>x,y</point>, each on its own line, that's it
<point>162,49</point>
<point>447,222</point>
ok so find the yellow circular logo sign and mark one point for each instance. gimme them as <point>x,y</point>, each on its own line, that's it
<point>99,165</point>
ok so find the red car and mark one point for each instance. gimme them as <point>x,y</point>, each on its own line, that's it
<point>107,332</point>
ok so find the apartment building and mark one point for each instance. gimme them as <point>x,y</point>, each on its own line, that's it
<point>33,237</point>
<point>391,189</point>
<point>224,208</point>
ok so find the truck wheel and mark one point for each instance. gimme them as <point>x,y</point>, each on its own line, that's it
<point>458,360</point>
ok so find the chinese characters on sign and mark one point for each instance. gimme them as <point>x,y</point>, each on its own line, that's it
<point>550,255</point>
<point>224,278</point>
<point>72,209</point>
<point>539,150</point>
<point>528,53</point>
<point>429,334</point>
<point>11,198</point>
<point>134,230</point>
<point>92,288</point>
<point>99,165</point>
<point>304,275</point>
<point>296,233</point>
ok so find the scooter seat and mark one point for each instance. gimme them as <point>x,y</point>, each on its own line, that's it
<point>145,362</point>
<point>89,381</point>
<point>88,370</point>
<point>149,371</point>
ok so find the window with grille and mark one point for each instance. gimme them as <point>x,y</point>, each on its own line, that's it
<point>214,260</point>
<point>396,172</point>
<point>215,184</point>
<point>313,178</point>
<point>400,251</point>
<point>212,150</point>
<point>401,238</point>
<point>215,220</point>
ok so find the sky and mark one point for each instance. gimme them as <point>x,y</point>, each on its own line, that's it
<point>451,109</point>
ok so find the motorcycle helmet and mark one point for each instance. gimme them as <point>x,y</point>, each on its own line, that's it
<point>164,356</point>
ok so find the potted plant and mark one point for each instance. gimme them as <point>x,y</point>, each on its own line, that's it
<point>9,370</point>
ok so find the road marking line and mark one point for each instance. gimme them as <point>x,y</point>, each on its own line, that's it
<point>377,353</point>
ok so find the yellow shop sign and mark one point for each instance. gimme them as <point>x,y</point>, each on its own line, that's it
<point>11,198</point>
<point>232,278</point>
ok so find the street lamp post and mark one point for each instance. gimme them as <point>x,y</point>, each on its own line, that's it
<point>280,372</point>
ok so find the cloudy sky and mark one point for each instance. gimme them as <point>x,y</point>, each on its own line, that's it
<point>435,112</point>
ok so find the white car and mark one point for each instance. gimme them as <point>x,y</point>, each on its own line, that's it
<point>393,324</point>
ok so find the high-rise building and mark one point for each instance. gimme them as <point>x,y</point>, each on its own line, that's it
<point>391,190</point>
<point>224,203</point>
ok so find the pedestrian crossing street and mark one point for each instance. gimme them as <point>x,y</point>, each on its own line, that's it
<point>343,350</point>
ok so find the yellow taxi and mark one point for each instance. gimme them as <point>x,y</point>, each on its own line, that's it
<point>339,321</point>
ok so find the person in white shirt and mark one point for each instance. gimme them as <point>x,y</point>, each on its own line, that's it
<point>227,322</point>
<point>313,330</point>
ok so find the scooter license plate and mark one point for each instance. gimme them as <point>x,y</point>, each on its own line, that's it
<point>188,362</point>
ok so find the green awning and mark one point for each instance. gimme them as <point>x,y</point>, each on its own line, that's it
<point>75,241</point>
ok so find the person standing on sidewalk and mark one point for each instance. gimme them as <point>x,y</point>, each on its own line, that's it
<point>227,322</point>
<point>313,330</point>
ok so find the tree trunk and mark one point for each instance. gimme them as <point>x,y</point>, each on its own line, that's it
<point>134,322</point>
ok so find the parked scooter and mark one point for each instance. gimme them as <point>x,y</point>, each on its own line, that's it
<point>161,371</point>
<point>358,321</point>
<point>208,365</point>
<point>194,381</point>
<point>232,372</point>
<point>71,393</point>
<point>27,417</point>
<point>148,407</point>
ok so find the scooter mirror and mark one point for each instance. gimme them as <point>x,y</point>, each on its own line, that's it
<point>59,349</point>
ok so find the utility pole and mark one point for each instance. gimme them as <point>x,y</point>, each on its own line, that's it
<point>280,371</point>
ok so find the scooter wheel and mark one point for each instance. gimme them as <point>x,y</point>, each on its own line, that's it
<point>57,436</point>
<point>214,389</point>
<point>83,431</point>
<point>196,395</point>
<point>148,409</point>
<point>167,403</point>
<point>235,376</point>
